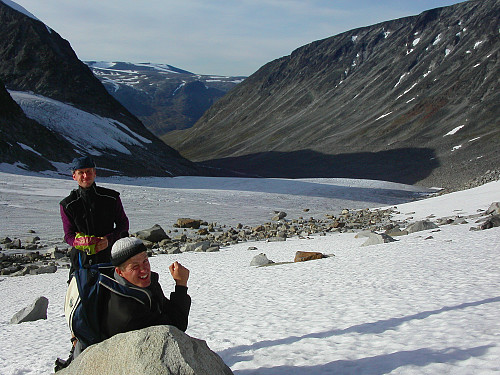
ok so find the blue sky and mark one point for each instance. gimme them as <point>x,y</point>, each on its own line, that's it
<point>224,37</point>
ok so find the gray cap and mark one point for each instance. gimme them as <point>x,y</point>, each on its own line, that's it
<point>126,248</point>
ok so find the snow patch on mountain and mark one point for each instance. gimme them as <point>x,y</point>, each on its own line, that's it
<point>86,131</point>
<point>28,148</point>
<point>22,10</point>
<point>451,132</point>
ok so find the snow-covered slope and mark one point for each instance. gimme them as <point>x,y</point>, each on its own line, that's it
<point>88,132</point>
<point>426,304</point>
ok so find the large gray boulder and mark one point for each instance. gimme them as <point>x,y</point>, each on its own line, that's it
<point>37,310</point>
<point>153,234</point>
<point>158,350</point>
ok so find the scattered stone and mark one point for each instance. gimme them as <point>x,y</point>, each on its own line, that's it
<point>168,351</point>
<point>37,310</point>
<point>45,269</point>
<point>202,246</point>
<point>489,176</point>
<point>376,239</point>
<point>279,215</point>
<point>260,260</point>
<point>165,242</point>
<point>194,246</point>
<point>420,226</point>
<point>181,238</point>
<point>395,232</point>
<point>252,248</point>
<point>10,270</point>
<point>337,224</point>
<point>494,209</point>
<point>32,240</point>
<point>303,256</point>
<point>23,271</point>
<point>174,250</point>
<point>14,244</point>
<point>188,223</point>
<point>153,234</point>
<point>492,222</point>
<point>5,240</point>
<point>366,222</point>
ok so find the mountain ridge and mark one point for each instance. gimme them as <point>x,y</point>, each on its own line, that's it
<point>397,85</point>
<point>163,97</point>
<point>34,59</point>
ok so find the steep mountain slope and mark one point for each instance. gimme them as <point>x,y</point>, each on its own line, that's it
<point>163,97</point>
<point>35,59</point>
<point>409,100</point>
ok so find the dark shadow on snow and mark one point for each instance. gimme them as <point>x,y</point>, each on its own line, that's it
<point>384,196</point>
<point>231,355</point>
<point>404,165</point>
<point>377,365</point>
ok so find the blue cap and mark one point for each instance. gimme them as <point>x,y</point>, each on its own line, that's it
<point>82,163</point>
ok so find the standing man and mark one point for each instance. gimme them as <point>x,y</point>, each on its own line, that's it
<point>93,217</point>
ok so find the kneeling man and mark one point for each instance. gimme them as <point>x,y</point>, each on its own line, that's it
<point>122,312</point>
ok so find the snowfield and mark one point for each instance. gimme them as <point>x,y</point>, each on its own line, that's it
<point>426,304</point>
<point>72,124</point>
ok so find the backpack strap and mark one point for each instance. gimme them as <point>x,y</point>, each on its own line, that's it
<point>136,293</point>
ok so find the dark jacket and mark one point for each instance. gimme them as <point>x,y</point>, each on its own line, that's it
<point>122,313</point>
<point>94,211</point>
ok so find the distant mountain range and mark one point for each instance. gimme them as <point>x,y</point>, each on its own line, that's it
<point>61,110</point>
<point>163,97</point>
<point>413,100</point>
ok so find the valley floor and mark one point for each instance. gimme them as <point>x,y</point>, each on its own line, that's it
<point>426,304</point>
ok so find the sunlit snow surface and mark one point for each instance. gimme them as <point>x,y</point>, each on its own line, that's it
<point>426,304</point>
<point>73,124</point>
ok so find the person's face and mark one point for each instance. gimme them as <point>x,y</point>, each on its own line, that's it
<point>136,270</point>
<point>85,177</point>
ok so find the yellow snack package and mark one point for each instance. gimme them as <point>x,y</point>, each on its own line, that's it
<point>85,242</point>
